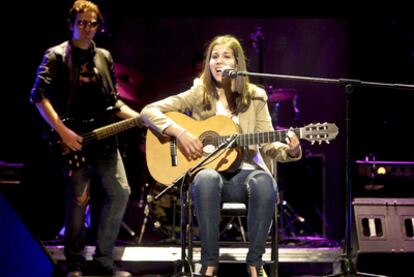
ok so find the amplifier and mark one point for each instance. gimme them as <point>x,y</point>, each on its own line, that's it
<point>384,178</point>
<point>11,173</point>
<point>382,169</point>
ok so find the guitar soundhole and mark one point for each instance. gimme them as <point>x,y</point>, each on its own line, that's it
<point>209,140</point>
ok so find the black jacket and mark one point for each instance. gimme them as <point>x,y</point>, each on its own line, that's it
<point>57,77</point>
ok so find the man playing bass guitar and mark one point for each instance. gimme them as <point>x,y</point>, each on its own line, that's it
<point>76,80</point>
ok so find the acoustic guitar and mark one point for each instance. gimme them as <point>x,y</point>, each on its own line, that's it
<point>213,132</point>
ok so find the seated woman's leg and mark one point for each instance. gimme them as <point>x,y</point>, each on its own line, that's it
<point>206,197</point>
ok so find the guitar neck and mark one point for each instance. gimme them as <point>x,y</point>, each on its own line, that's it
<point>110,130</point>
<point>261,138</point>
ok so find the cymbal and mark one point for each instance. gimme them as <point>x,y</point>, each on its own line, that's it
<point>281,94</point>
<point>129,82</point>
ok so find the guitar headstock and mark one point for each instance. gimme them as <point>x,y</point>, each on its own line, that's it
<point>319,132</point>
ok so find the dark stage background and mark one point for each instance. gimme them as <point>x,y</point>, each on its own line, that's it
<point>158,45</point>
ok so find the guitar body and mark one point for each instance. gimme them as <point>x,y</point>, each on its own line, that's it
<point>158,147</point>
<point>67,157</point>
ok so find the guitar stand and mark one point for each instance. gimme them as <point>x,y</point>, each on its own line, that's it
<point>149,200</point>
<point>173,237</point>
<point>288,217</point>
<point>128,229</point>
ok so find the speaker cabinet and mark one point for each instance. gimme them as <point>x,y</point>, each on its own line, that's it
<point>384,225</point>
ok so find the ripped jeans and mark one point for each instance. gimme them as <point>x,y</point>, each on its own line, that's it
<point>256,188</point>
<point>109,169</point>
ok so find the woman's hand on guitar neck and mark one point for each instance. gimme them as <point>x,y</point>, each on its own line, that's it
<point>293,143</point>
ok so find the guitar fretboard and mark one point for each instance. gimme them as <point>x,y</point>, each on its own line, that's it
<point>110,130</point>
<point>259,138</point>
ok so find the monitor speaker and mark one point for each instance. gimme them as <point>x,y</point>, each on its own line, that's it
<point>384,224</point>
<point>384,235</point>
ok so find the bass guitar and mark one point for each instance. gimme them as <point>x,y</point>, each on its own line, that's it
<point>77,159</point>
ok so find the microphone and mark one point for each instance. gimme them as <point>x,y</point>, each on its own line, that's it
<point>229,73</point>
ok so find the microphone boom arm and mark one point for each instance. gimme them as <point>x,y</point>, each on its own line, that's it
<point>355,82</point>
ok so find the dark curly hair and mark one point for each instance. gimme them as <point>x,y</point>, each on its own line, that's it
<point>81,6</point>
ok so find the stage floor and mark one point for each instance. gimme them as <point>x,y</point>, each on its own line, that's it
<point>162,260</point>
<point>227,254</point>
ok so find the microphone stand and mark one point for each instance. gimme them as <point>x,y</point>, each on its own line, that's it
<point>349,269</point>
<point>184,217</point>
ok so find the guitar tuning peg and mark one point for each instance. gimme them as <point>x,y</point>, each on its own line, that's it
<point>312,142</point>
<point>320,142</point>
<point>327,141</point>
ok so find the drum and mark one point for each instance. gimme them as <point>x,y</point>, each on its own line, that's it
<point>283,105</point>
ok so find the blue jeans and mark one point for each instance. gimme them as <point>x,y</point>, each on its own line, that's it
<point>256,188</point>
<point>110,171</point>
